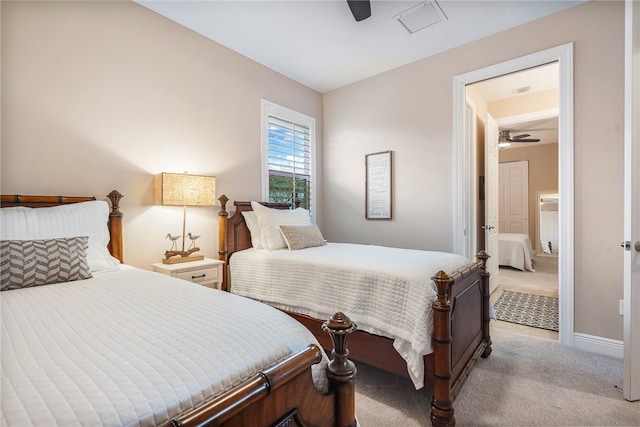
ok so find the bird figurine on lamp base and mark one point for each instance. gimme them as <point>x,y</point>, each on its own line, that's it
<point>174,256</point>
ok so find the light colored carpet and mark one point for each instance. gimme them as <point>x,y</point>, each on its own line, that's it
<point>543,280</point>
<point>527,381</point>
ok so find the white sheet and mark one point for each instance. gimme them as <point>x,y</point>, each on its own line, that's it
<point>385,291</point>
<point>132,347</point>
<point>515,250</point>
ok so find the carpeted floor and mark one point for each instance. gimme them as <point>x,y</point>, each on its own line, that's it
<point>527,381</point>
<point>523,308</point>
<point>544,280</point>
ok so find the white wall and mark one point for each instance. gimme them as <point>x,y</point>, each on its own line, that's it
<point>99,96</point>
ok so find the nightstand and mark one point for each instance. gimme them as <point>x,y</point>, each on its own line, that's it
<point>207,272</point>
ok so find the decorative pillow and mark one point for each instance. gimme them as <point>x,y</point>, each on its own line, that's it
<point>27,263</point>
<point>302,236</point>
<point>254,229</point>
<point>76,219</point>
<point>270,221</point>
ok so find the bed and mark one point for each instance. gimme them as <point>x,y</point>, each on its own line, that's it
<point>515,250</point>
<point>455,309</point>
<point>88,340</point>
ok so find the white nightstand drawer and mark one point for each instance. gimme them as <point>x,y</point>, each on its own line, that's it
<point>207,272</point>
<point>201,276</point>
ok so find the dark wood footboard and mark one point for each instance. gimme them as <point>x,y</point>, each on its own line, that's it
<point>460,337</point>
<point>284,395</point>
<point>460,333</point>
<point>460,322</point>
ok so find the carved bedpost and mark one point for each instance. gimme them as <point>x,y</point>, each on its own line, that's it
<point>486,294</point>
<point>441,403</point>
<point>115,226</point>
<point>341,371</point>
<point>223,215</point>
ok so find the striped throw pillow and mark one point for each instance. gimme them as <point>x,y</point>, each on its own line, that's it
<point>27,263</point>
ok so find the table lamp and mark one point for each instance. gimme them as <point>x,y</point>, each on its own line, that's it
<point>177,189</point>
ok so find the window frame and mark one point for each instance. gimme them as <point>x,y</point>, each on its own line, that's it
<point>271,109</point>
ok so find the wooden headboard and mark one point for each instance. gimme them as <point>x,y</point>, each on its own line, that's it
<point>115,216</point>
<point>233,233</point>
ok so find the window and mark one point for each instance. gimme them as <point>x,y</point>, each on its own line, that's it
<point>288,156</point>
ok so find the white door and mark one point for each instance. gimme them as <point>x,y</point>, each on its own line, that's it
<point>491,162</point>
<point>513,183</point>
<point>632,205</point>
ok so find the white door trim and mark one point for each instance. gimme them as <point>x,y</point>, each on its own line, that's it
<point>564,55</point>
<point>631,389</point>
<point>471,228</point>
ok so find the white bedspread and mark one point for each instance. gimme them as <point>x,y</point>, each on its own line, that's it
<point>385,291</point>
<point>132,347</point>
<point>515,250</point>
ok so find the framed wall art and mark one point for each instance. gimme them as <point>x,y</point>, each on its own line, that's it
<point>378,185</point>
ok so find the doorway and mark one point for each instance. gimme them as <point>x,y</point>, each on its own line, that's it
<point>527,163</point>
<point>465,156</point>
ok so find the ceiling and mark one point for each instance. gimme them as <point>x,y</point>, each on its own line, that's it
<point>319,44</point>
<point>541,125</point>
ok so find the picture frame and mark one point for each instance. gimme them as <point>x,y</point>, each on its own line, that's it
<point>378,195</point>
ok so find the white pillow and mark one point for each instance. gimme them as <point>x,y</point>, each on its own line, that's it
<point>270,221</point>
<point>254,229</point>
<point>72,220</point>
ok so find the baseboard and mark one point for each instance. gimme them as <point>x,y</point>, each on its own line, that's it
<point>599,345</point>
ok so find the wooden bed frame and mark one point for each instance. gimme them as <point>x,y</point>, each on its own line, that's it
<point>460,320</point>
<point>282,395</point>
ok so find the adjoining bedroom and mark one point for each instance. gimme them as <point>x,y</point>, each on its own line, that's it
<point>525,106</point>
<point>267,213</point>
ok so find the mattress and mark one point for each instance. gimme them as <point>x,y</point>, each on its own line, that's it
<point>386,291</point>
<point>133,347</point>
<point>515,250</point>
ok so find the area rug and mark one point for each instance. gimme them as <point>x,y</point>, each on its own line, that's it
<point>527,309</point>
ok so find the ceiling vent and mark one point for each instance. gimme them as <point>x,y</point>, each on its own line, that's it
<point>421,16</point>
<point>521,90</point>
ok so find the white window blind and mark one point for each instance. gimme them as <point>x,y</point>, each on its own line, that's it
<point>289,159</point>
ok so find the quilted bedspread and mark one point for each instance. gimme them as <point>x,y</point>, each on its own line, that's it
<point>515,250</point>
<point>132,347</point>
<point>385,291</point>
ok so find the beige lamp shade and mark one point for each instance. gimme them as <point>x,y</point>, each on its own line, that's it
<point>177,189</point>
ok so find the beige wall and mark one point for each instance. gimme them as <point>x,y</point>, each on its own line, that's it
<point>543,176</point>
<point>409,110</point>
<point>104,95</point>
<point>523,104</point>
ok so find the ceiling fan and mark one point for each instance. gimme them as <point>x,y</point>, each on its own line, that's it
<point>361,9</point>
<point>505,139</point>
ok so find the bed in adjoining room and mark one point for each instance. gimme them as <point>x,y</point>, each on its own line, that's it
<point>87,340</point>
<point>420,314</point>
<point>515,250</point>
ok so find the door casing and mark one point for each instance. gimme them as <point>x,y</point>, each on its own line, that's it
<point>463,160</point>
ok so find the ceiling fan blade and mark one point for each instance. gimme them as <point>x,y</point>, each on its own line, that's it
<point>361,9</point>
<point>524,135</point>
<point>524,140</point>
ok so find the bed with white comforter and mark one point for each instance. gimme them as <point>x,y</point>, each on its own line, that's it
<point>386,291</point>
<point>111,350</point>
<point>515,250</point>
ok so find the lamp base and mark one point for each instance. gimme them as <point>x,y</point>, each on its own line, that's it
<point>180,259</point>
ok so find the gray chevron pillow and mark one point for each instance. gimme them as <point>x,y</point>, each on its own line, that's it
<point>26,263</point>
